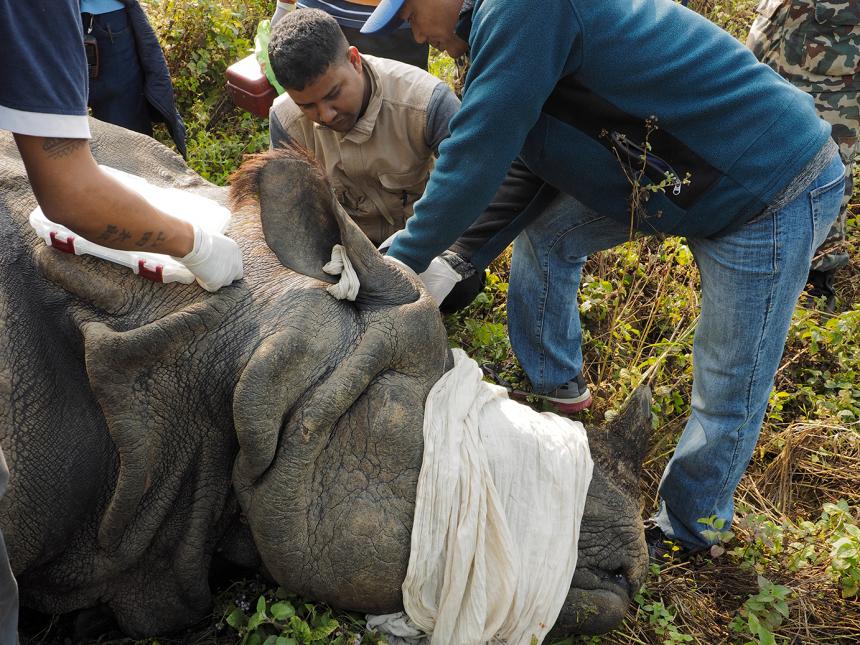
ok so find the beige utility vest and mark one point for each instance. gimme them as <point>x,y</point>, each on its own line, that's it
<point>379,168</point>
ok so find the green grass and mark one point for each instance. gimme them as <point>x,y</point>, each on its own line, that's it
<point>200,40</point>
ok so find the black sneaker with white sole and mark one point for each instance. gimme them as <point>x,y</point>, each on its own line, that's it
<point>572,396</point>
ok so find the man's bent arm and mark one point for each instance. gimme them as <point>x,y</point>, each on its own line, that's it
<point>516,62</point>
<point>74,192</point>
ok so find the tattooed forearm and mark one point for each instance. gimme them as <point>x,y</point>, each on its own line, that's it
<point>147,239</point>
<point>59,148</point>
<point>113,234</point>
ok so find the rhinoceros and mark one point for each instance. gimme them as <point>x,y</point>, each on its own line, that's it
<point>148,427</point>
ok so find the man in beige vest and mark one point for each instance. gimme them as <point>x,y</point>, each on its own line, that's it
<point>373,124</point>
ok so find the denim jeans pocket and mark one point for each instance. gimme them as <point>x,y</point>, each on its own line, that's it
<point>825,201</point>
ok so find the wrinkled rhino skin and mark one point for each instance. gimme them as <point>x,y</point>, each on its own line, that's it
<point>149,426</point>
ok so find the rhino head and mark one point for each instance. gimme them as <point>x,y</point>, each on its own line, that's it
<point>327,480</point>
<point>300,226</point>
<point>267,422</point>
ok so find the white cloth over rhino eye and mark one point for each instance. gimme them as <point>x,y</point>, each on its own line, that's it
<point>347,287</point>
<point>497,514</point>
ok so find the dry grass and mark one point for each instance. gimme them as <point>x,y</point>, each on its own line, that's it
<point>801,463</point>
<point>806,465</point>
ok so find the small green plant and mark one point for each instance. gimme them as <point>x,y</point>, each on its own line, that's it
<point>844,544</point>
<point>822,377</point>
<point>715,533</point>
<point>833,541</point>
<point>767,541</point>
<point>453,72</point>
<point>661,618</point>
<point>635,159</point>
<point>762,613</point>
<point>284,619</point>
<point>481,329</point>
<point>845,561</point>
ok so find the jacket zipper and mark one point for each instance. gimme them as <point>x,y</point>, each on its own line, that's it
<point>653,161</point>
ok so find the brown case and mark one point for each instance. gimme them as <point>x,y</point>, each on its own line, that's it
<point>249,88</point>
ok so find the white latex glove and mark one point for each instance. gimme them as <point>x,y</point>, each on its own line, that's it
<point>439,278</point>
<point>215,260</point>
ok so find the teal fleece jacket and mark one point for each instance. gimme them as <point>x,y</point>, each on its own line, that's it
<point>569,85</point>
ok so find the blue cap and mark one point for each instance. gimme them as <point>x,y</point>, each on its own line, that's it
<point>384,17</point>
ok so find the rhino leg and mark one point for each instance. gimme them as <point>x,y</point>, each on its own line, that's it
<point>170,501</point>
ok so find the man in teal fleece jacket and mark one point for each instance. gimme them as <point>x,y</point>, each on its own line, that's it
<point>595,99</point>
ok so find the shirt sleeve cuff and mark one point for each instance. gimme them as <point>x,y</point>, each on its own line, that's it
<point>37,124</point>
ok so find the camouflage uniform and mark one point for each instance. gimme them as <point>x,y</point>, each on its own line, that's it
<point>815,45</point>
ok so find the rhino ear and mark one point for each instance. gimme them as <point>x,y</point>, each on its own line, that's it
<point>302,220</point>
<point>295,210</point>
<point>626,436</point>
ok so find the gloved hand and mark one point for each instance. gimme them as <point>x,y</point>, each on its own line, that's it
<point>215,260</point>
<point>439,277</point>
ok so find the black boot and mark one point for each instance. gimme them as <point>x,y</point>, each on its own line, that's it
<point>820,285</point>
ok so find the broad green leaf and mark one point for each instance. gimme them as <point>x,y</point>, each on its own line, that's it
<point>237,619</point>
<point>255,621</point>
<point>282,610</point>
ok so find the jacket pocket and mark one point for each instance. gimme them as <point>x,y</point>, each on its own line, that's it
<point>638,160</point>
<point>404,189</point>
<point>831,38</point>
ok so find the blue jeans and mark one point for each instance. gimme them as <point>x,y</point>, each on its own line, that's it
<point>116,94</point>
<point>751,279</point>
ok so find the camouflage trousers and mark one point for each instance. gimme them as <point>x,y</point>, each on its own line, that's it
<point>842,112</point>
<point>815,45</point>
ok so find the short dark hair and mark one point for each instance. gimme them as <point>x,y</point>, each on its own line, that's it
<point>304,44</point>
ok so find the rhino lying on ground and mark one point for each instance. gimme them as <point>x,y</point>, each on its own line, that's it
<point>149,426</point>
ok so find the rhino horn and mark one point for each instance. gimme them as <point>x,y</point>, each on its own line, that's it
<point>625,438</point>
<point>302,220</point>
